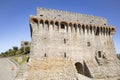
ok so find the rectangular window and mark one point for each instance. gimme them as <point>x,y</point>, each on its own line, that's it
<point>45,55</point>
<point>65,54</point>
<point>64,41</point>
<point>99,54</point>
<point>88,44</point>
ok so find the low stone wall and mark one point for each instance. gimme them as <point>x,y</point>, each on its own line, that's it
<point>51,69</point>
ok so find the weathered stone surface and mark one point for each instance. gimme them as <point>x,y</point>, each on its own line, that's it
<point>67,45</point>
<point>51,69</point>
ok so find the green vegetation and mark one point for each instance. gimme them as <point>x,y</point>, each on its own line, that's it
<point>15,51</point>
<point>20,60</point>
<point>26,43</point>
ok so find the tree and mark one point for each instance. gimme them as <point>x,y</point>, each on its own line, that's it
<point>27,50</point>
<point>22,50</point>
<point>16,51</point>
<point>26,43</point>
<point>15,48</point>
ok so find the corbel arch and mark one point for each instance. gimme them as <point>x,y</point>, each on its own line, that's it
<point>63,26</point>
<point>34,20</point>
<point>51,24</point>
<point>112,30</point>
<point>103,30</point>
<point>94,29</point>
<point>109,31</point>
<point>46,25</point>
<point>75,27</point>
<point>87,28</point>
<point>41,24</point>
<point>79,27</point>
<point>41,21</point>
<point>57,25</point>
<point>106,31</point>
<point>70,25</point>
<point>91,29</point>
<point>97,31</point>
<point>46,22</point>
<point>33,25</point>
<point>83,28</point>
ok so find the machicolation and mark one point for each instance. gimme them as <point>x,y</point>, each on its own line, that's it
<point>71,46</point>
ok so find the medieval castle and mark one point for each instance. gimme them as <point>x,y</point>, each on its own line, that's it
<point>67,45</point>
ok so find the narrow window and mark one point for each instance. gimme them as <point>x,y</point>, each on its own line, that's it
<point>45,55</point>
<point>65,54</point>
<point>99,54</point>
<point>64,41</point>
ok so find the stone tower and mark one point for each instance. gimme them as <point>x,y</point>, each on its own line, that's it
<point>67,45</point>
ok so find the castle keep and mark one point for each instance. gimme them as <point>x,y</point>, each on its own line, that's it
<point>67,45</point>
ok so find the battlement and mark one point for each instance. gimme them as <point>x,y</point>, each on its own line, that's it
<point>70,16</point>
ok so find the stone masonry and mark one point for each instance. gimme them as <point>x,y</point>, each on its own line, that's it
<point>66,45</point>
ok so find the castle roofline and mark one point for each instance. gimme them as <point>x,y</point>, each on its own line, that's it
<point>38,19</point>
<point>68,12</point>
<point>70,16</point>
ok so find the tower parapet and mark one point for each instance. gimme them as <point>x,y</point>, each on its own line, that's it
<point>70,16</point>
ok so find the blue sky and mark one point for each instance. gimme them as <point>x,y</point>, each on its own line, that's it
<point>14,17</point>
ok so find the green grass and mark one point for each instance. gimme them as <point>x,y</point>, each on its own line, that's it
<point>22,61</point>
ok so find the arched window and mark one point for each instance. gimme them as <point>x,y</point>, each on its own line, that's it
<point>62,26</point>
<point>97,31</point>
<point>79,67</point>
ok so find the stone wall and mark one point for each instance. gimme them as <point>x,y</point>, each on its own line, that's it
<point>53,68</point>
<point>69,16</point>
<point>58,40</point>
